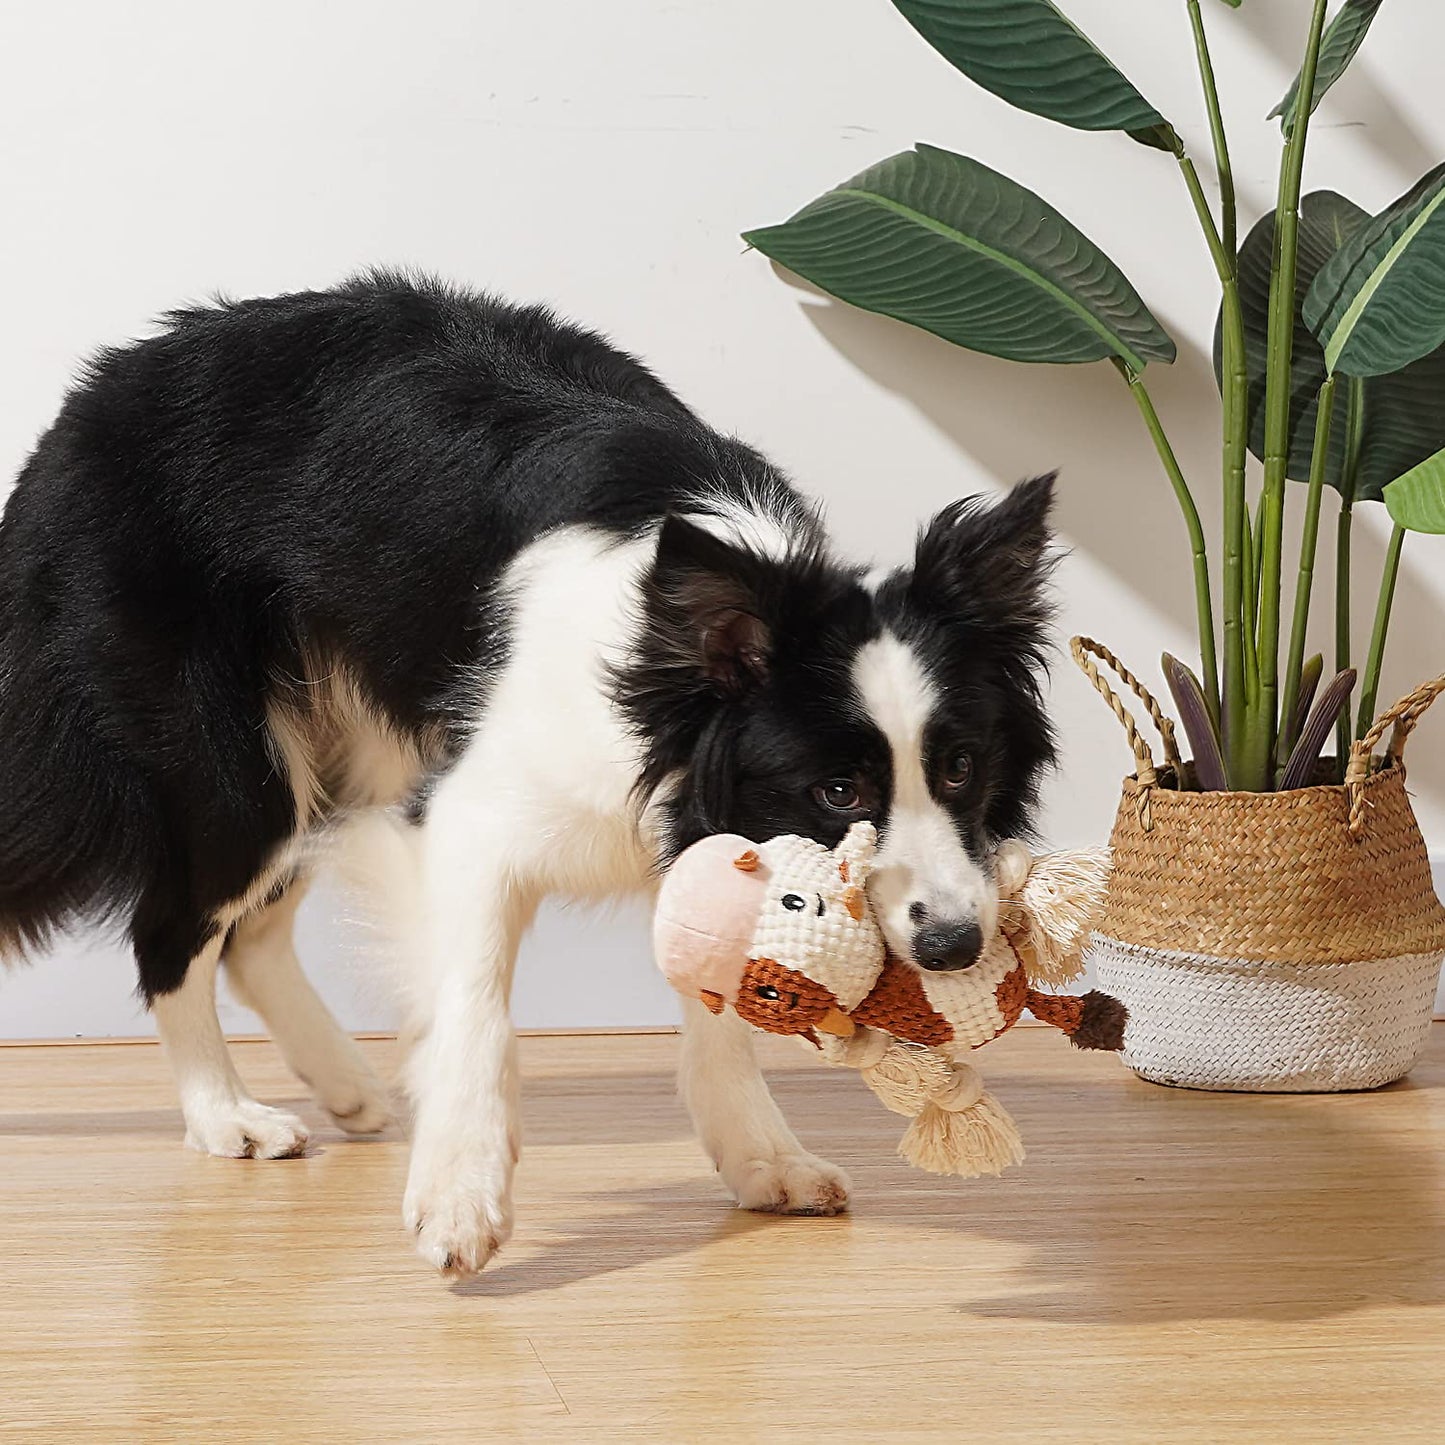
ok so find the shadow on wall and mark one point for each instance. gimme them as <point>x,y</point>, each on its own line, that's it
<point>1114,501</point>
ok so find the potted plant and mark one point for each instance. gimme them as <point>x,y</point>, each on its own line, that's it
<point>1271,921</point>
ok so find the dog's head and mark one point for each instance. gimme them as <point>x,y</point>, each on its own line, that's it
<point>777,692</point>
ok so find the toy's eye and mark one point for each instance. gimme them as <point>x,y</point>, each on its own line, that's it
<point>794,902</point>
<point>766,990</point>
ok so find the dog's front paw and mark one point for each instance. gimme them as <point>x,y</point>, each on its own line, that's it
<point>458,1226</point>
<point>787,1184</point>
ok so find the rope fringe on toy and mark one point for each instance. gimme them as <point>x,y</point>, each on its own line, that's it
<point>981,1139</point>
<point>957,1126</point>
<point>1049,919</point>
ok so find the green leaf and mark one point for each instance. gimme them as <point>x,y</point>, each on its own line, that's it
<point>1234,4</point>
<point>1379,302</point>
<point>1030,54</point>
<point>1345,35</point>
<point>946,244</point>
<point>1417,500</point>
<point>1404,412</point>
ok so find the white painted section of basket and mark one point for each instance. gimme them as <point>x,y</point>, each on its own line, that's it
<point>1216,1023</point>
<point>1437,868</point>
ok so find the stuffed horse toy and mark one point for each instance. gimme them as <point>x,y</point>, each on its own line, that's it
<point>782,933</point>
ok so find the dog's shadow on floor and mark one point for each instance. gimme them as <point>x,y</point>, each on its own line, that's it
<point>556,1111</point>
<point>165,1124</point>
<point>644,1226</point>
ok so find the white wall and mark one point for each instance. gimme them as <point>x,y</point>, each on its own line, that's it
<point>605,157</point>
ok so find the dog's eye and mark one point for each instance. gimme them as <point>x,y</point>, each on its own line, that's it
<point>794,902</point>
<point>957,773</point>
<point>767,991</point>
<point>839,794</point>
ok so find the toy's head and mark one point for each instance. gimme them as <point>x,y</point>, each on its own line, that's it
<point>779,930</point>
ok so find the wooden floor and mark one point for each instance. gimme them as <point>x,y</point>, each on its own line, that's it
<point>1167,1266</point>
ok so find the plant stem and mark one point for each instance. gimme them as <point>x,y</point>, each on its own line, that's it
<point>1258,528</point>
<point>1229,719</point>
<point>1260,748</point>
<point>1377,637</point>
<point>1216,131</point>
<point>1304,583</point>
<point>1251,597</point>
<point>1239,668</point>
<point>1354,437</point>
<point>1203,605</point>
<point>1240,662</point>
<point>1250,603</point>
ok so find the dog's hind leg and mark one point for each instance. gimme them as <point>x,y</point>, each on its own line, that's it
<point>265,975</point>
<point>741,1127</point>
<point>221,1117</point>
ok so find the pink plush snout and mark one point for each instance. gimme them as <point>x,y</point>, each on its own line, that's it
<point>707,911</point>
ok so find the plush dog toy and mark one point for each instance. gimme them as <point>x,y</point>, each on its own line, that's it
<point>782,933</point>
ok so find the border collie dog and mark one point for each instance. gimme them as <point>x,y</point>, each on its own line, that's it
<point>423,560</point>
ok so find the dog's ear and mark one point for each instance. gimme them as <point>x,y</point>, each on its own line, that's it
<point>707,607</point>
<point>982,560</point>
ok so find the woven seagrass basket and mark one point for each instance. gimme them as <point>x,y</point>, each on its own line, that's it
<point>1269,941</point>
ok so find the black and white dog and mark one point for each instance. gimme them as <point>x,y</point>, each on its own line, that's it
<point>398,547</point>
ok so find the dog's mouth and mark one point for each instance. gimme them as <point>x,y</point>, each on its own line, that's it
<point>940,965</point>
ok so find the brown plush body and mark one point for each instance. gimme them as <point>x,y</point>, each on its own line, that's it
<point>899,1005</point>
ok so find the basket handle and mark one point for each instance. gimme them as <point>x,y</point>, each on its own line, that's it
<point>1401,719</point>
<point>1084,650</point>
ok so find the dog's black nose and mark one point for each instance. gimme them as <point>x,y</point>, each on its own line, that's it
<point>947,945</point>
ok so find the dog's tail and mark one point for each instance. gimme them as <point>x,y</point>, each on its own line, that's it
<point>65,799</point>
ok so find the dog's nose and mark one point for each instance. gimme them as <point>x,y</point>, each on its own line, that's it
<point>946,945</point>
